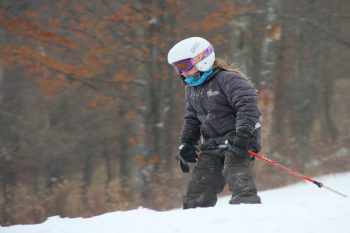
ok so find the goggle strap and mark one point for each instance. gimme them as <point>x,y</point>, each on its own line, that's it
<point>200,57</point>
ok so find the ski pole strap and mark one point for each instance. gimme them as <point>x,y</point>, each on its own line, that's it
<point>185,168</point>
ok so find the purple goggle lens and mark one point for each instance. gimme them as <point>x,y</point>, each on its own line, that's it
<point>183,66</point>
<point>187,64</point>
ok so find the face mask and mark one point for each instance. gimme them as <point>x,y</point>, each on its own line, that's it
<point>198,78</point>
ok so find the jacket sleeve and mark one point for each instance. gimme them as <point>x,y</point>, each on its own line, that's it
<point>191,128</point>
<point>243,97</point>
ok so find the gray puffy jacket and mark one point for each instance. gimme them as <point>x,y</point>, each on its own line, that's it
<point>227,102</point>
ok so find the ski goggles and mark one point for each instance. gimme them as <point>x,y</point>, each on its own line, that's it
<point>187,64</point>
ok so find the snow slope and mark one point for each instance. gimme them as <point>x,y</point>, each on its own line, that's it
<point>298,208</point>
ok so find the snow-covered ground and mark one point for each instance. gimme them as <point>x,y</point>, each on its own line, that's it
<point>298,208</point>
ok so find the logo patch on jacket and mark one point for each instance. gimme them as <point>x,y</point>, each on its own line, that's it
<point>212,93</point>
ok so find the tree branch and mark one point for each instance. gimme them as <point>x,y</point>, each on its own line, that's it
<point>340,39</point>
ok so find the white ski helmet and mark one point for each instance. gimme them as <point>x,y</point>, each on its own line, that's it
<point>197,49</point>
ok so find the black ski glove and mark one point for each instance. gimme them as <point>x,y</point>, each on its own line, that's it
<point>188,152</point>
<point>239,145</point>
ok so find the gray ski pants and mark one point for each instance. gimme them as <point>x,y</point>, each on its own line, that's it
<point>212,171</point>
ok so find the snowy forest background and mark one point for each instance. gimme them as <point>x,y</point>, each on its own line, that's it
<point>90,111</point>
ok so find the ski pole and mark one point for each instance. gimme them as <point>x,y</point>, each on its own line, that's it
<point>296,173</point>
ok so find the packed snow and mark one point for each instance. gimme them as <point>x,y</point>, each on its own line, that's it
<point>301,208</point>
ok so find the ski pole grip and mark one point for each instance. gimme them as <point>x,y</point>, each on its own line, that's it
<point>319,184</point>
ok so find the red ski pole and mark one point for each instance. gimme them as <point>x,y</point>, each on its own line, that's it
<point>296,173</point>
